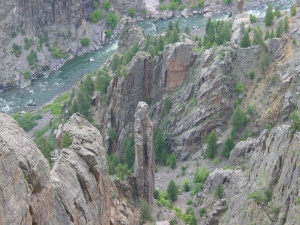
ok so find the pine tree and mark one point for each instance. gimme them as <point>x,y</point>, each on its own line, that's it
<point>258,36</point>
<point>212,147</point>
<point>286,24</point>
<point>172,191</point>
<point>115,62</point>
<point>279,29</point>
<point>227,147</point>
<point>268,20</point>
<point>160,44</point>
<point>267,35</point>
<point>277,12</point>
<point>245,42</point>
<point>208,25</point>
<point>272,34</point>
<point>293,10</point>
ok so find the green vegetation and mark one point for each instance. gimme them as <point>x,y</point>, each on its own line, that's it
<point>262,198</point>
<point>55,107</point>
<point>121,171</point>
<point>32,58</point>
<point>200,3</point>
<point>128,152</point>
<point>245,42</point>
<point>228,1</point>
<point>252,18</point>
<point>212,147</point>
<point>217,33</point>
<point>238,121</point>
<point>111,19</point>
<point>295,126</point>
<point>172,191</point>
<point>115,62</point>
<point>145,211</point>
<point>131,12</point>
<point>227,147</point>
<point>264,63</point>
<point>102,81</point>
<point>85,42</point>
<point>26,120</point>
<point>293,10</point>
<point>95,5</point>
<point>268,20</point>
<point>17,50</point>
<point>171,161</point>
<point>200,176</point>
<point>252,75</point>
<point>57,52</point>
<point>95,16</point>
<point>185,185</point>
<point>239,87</point>
<point>258,36</point>
<point>167,105</point>
<point>219,192</point>
<point>67,140</point>
<point>108,33</point>
<point>160,147</point>
<point>106,5</point>
<point>112,134</point>
<point>26,75</point>
<point>279,29</point>
<point>113,162</point>
<point>277,12</point>
<point>28,43</point>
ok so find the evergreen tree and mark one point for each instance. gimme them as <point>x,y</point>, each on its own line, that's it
<point>227,147</point>
<point>212,147</point>
<point>279,29</point>
<point>293,10</point>
<point>207,25</point>
<point>245,42</point>
<point>145,211</point>
<point>286,24</point>
<point>128,151</point>
<point>272,34</point>
<point>258,36</point>
<point>187,31</point>
<point>89,85</point>
<point>238,120</point>
<point>267,35</point>
<point>277,12</point>
<point>172,191</point>
<point>160,44</point>
<point>160,147</point>
<point>268,20</point>
<point>115,62</point>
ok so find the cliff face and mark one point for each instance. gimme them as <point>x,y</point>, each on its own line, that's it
<point>271,162</point>
<point>75,191</point>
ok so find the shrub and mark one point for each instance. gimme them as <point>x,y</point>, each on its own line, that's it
<point>95,16</point>
<point>186,186</point>
<point>200,3</point>
<point>238,120</point>
<point>32,58</point>
<point>219,191</point>
<point>171,161</point>
<point>28,43</point>
<point>252,18</point>
<point>17,50</point>
<point>85,42</point>
<point>167,105</point>
<point>95,5</point>
<point>113,162</point>
<point>227,1</point>
<point>112,134</point>
<point>200,176</point>
<point>108,33</point>
<point>115,62</point>
<point>26,121</point>
<point>59,53</point>
<point>239,87</point>
<point>121,171</point>
<point>131,12</point>
<point>172,191</point>
<point>145,210</point>
<point>252,75</point>
<point>202,211</point>
<point>106,5</point>
<point>227,147</point>
<point>26,75</point>
<point>111,19</point>
<point>212,147</point>
<point>165,202</point>
<point>67,140</point>
<point>295,126</point>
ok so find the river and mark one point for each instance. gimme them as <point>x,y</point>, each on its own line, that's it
<point>45,89</point>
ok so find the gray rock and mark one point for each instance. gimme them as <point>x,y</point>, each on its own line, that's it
<point>144,154</point>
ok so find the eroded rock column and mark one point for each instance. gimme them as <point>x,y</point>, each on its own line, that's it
<point>144,153</point>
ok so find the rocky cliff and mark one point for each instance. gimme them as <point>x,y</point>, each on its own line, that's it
<point>44,24</point>
<point>75,191</point>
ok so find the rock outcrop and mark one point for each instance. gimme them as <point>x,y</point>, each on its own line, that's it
<point>76,191</point>
<point>144,153</point>
<point>272,164</point>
